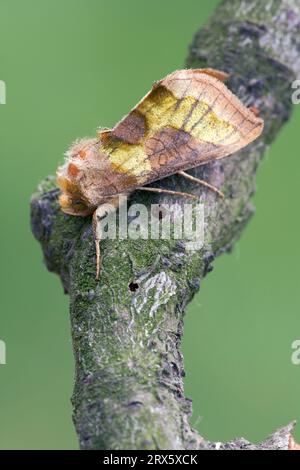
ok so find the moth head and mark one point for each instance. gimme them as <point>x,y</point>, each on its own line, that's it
<point>72,200</point>
<point>74,206</point>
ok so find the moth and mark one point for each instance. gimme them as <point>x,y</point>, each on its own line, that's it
<point>189,118</point>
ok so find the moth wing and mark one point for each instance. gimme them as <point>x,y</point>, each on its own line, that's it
<point>187,119</point>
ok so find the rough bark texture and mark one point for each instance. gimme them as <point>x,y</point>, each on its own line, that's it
<point>129,369</point>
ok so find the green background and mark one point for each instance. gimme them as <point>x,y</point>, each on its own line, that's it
<point>70,66</point>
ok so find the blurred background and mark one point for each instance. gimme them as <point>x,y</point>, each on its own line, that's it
<point>69,67</point>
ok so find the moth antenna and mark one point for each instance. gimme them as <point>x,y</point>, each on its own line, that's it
<point>203,183</point>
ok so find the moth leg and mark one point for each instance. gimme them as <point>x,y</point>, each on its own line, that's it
<point>99,212</point>
<point>203,183</point>
<point>168,191</point>
<point>97,238</point>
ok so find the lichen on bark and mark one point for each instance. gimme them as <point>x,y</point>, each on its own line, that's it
<point>128,390</point>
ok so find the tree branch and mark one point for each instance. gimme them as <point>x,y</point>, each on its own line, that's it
<point>127,329</point>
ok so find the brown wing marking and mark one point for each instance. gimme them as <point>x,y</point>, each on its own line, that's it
<point>170,150</point>
<point>131,129</point>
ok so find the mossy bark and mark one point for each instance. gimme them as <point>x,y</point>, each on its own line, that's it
<point>129,369</point>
